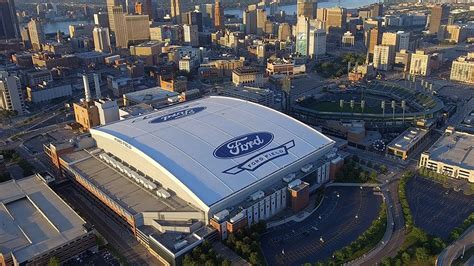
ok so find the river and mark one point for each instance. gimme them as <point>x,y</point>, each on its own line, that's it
<point>63,26</point>
<point>291,9</point>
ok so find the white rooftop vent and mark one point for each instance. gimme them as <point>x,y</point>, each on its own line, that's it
<point>180,244</point>
<point>257,195</point>
<point>220,216</point>
<point>289,177</point>
<point>295,183</point>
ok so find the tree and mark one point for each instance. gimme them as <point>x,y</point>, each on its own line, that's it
<point>373,175</point>
<point>226,262</point>
<point>406,258</point>
<point>383,169</point>
<point>421,255</point>
<point>254,258</point>
<point>53,261</point>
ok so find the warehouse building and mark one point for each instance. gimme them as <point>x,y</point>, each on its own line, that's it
<point>37,225</point>
<point>452,155</point>
<point>179,175</point>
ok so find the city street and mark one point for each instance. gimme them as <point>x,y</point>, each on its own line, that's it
<point>119,237</point>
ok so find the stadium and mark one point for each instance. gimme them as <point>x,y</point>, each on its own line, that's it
<point>175,176</point>
<point>379,104</point>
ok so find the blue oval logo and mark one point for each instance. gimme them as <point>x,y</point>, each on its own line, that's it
<point>177,115</point>
<point>243,145</point>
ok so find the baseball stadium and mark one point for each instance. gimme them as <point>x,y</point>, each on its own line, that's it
<point>380,104</point>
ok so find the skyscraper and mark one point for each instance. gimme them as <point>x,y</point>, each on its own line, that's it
<point>112,15</point>
<point>101,39</point>
<point>284,32</point>
<point>139,8</point>
<point>137,28</point>
<point>376,10</point>
<point>194,18</point>
<point>218,15</point>
<point>439,16</point>
<point>35,30</point>
<point>317,42</point>
<point>372,38</point>
<point>382,57</point>
<point>101,19</point>
<point>11,97</point>
<point>302,36</point>
<point>307,8</point>
<point>250,19</point>
<point>147,9</point>
<point>261,21</point>
<point>8,21</point>
<point>334,18</point>
<point>176,11</point>
<point>120,27</point>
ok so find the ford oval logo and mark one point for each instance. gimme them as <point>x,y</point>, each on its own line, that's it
<point>243,145</point>
<point>177,115</point>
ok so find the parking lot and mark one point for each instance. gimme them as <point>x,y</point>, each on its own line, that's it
<point>436,209</point>
<point>345,213</point>
<point>102,257</point>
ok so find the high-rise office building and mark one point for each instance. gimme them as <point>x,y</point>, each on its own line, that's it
<point>307,8</point>
<point>284,32</point>
<point>334,18</point>
<point>383,57</point>
<point>120,27</point>
<point>302,36</point>
<point>403,40</point>
<point>35,30</point>
<point>11,97</point>
<point>218,15</point>
<point>139,8</point>
<point>372,38</point>
<point>376,10</point>
<point>420,63</point>
<point>101,39</point>
<point>144,8</point>
<point>463,69</point>
<point>101,19</point>
<point>439,16</point>
<point>137,28</point>
<point>176,11</point>
<point>9,28</point>
<point>391,39</point>
<point>250,19</point>
<point>193,18</point>
<point>261,21</point>
<point>191,35</point>
<point>317,42</point>
<point>113,12</point>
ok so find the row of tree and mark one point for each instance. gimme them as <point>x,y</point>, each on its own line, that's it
<point>458,231</point>
<point>204,254</point>
<point>352,172</point>
<point>419,248</point>
<point>246,243</point>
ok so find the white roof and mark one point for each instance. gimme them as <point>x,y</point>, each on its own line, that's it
<point>191,141</point>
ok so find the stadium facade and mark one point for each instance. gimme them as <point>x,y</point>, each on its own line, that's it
<point>186,173</point>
